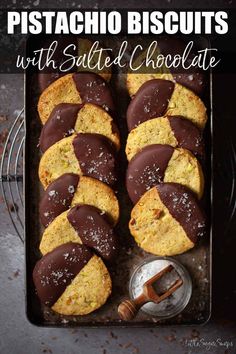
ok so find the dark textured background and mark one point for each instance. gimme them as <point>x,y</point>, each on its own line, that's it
<point>18,336</point>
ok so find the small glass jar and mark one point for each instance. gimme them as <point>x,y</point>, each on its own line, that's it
<point>176,302</point>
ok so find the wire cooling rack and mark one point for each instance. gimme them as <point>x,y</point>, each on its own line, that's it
<point>11,175</point>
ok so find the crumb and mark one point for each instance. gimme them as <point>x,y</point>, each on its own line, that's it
<point>113,335</point>
<point>3,135</point>
<point>195,334</point>
<point>16,273</point>
<point>170,338</point>
<point>3,118</point>
<point>47,350</point>
<point>13,208</point>
<point>127,345</point>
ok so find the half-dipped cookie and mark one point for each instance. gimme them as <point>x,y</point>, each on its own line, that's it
<point>68,118</point>
<point>156,98</point>
<point>85,87</point>
<point>171,130</point>
<point>193,78</point>
<point>71,280</point>
<point>167,220</point>
<point>90,155</point>
<point>71,189</point>
<point>162,163</point>
<point>84,224</point>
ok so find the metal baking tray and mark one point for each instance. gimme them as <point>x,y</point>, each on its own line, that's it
<point>197,261</point>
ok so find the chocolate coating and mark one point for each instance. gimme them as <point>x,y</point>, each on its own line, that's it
<point>57,197</point>
<point>192,78</point>
<point>94,230</point>
<point>146,169</point>
<point>94,89</point>
<point>46,79</point>
<point>56,270</point>
<point>184,207</point>
<point>96,157</point>
<point>150,101</point>
<point>188,135</point>
<point>60,124</point>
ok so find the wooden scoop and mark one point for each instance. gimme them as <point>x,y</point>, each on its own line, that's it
<point>128,309</point>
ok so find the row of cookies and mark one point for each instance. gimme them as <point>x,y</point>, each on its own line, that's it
<point>165,149</point>
<point>79,209</point>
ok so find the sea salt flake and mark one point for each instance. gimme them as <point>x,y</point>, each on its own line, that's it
<point>71,189</point>
<point>52,193</point>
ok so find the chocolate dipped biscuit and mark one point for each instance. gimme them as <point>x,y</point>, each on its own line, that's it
<point>58,197</point>
<point>156,98</point>
<point>84,224</point>
<point>156,163</point>
<point>94,230</point>
<point>71,280</point>
<point>68,118</point>
<point>171,130</point>
<point>167,220</point>
<point>192,78</point>
<point>76,88</point>
<point>90,155</point>
<point>71,189</point>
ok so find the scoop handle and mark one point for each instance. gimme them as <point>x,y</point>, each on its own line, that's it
<point>128,309</point>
